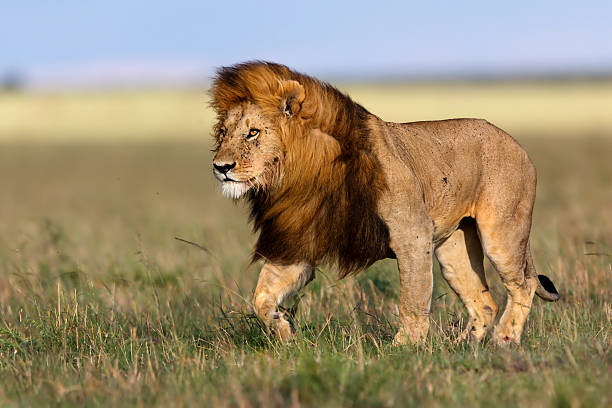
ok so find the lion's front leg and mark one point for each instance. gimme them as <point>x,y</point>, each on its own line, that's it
<point>416,287</point>
<point>411,239</point>
<point>275,283</point>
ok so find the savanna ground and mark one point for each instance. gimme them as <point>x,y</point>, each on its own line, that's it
<point>101,305</point>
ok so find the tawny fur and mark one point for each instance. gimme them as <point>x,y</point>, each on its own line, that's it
<point>329,181</point>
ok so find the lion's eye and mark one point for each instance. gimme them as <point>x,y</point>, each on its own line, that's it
<point>253,133</point>
<point>222,132</point>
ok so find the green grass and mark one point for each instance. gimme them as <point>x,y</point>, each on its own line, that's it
<point>101,305</point>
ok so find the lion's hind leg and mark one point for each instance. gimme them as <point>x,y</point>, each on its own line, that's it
<point>506,244</point>
<point>461,259</point>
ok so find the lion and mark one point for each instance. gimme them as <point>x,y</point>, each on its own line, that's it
<point>328,181</point>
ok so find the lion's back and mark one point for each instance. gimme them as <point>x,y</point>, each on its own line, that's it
<point>474,144</point>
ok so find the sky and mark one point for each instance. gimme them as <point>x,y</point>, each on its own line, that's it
<point>182,41</point>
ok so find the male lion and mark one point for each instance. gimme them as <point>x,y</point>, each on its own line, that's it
<point>329,181</point>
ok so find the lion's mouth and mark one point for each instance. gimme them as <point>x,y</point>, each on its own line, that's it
<point>225,178</point>
<point>250,181</point>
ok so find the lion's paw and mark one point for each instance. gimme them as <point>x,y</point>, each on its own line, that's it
<point>281,328</point>
<point>402,338</point>
<point>503,339</point>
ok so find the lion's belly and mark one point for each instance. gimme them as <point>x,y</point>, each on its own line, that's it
<point>450,197</point>
<point>448,205</point>
<point>445,227</point>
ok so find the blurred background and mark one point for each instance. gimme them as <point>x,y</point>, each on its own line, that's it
<point>139,70</point>
<point>105,139</point>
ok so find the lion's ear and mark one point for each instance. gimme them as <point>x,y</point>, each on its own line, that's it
<point>292,95</point>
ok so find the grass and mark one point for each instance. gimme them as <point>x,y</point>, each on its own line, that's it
<point>101,305</point>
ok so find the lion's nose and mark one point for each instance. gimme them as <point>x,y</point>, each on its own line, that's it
<point>224,168</point>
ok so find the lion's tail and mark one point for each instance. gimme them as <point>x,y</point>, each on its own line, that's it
<point>546,289</point>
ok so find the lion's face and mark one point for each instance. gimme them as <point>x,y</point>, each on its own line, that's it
<point>248,150</point>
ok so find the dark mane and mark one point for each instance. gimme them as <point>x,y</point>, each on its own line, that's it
<point>325,206</point>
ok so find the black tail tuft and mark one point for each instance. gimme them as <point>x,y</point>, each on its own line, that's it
<point>546,289</point>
